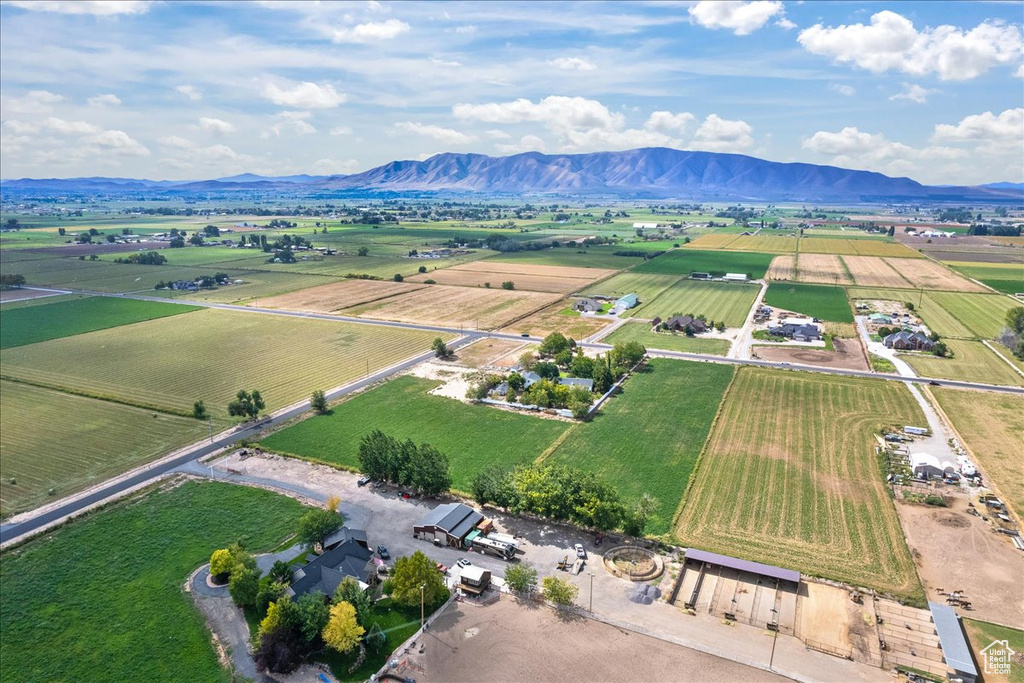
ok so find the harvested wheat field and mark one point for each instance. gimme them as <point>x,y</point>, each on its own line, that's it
<point>782,268</point>
<point>525,276</point>
<point>338,295</point>
<point>783,481</point>
<point>558,318</point>
<point>871,271</point>
<point>822,268</point>
<point>713,241</point>
<point>463,307</point>
<point>930,275</point>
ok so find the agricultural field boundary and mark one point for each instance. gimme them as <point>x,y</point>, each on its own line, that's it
<point>166,410</point>
<point>999,353</point>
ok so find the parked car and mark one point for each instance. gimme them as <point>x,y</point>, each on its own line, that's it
<point>581,552</point>
<point>525,334</point>
<point>441,568</point>
<point>363,481</point>
<point>464,562</point>
<point>382,550</point>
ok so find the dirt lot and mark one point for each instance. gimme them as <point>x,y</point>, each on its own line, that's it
<point>525,276</point>
<point>338,295</point>
<point>466,307</point>
<point>489,351</point>
<point>782,268</point>
<point>21,294</point>
<point>930,275</point>
<point>978,256</point>
<point>871,271</point>
<point>822,268</point>
<point>848,355</point>
<point>954,551</point>
<point>551,319</point>
<point>513,642</point>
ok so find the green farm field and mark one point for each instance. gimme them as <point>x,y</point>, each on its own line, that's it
<point>1005,277</point>
<point>972,361</point>
<point>686,261</point>
<point>101,599</point>
<point>981,634</point>
<point>669,341</point>
<point>790,478</point>
<point>647,438</point>
<point>646,287</point>
<point>817,301</point>
<point>52,439</point>
<point>473,437</point>
<point>77,316</point>
<point>983,314</point>
<point>159,364</point>
<point>729,302</point>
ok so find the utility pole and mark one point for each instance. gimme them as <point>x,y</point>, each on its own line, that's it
<point>591,610</point>
<point>422,585</point>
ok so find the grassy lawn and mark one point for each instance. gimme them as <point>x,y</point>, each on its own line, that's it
<point>817,301</point>
<point>669,341</point>
<point>473,437</point>
<point>992,427</point>
<point>76,316</point>
<point>647,439</point>
<point>790,478</point>
<point>972,361</point>
<point>52,439</point>
<point>983,314</point>
<point>981,634</point>
<point>101,599</point>
<point>161,364</point>
<point>729,302</point>
<point>686,261</point>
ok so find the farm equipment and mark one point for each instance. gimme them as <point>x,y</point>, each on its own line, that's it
<point>563,564</point>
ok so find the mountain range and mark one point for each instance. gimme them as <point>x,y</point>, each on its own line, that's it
<point>655,172</point>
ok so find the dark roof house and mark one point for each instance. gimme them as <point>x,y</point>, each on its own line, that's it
<point>806,332</point>
<point>344,534</point>
<point>584,382</point>
<point>322,574</point>
<point>587,305</point>
<point>681,323</point>
<point>914,341</point>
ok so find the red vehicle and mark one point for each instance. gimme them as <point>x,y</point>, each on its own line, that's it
<point>441,568</point>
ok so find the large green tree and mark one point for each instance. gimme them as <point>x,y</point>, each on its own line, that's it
<point>317,524</point>
<point>521,578</point>
<point>246,404</point>
<point>409,574</point>
<point>559,591</point>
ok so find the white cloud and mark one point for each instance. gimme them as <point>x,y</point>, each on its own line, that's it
<point>294,121</point>
<point>341,130</point>
<point>722,135</point>
<point>107,100</point>
<point>119,142</point>
<point>572,64</point>
<point>176,142</point>
<point>170,162</point>
<point>216,126</point>
<point>370,32</point>
<point>528,143</point>
<point>448,136</point>
<point>217,153</point>
<point>891,42</point>
<point>32,102</point>
<point>467,29</point>
<point>785,23</point>
<point>559,113</point>
<point>1019,73</point>
<point>497,134</point>
<point>442,62</point>
<point>668,123</point>
<point>62,127</point>
<point>1004,132</point>
<point>852,148</point>
<point>334,166</point>
<point>304,95</point>
<point>914,93</point>
<point>96,7</point>
<point>190,91</point>
<point>742,18</point>
<point>843,89</point>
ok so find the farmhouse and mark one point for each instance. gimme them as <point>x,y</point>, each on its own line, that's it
<point>925,466</point>
<point>684,323</point>
<point>955,650</point>
<point>586,383</point>
<point>448,524</point>
<point>804,332</point>
<point>587,305</point>
<point>322,574</point>
<point>912,341</point>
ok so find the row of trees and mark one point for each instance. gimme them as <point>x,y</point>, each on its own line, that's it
<point>1013,336</point>
<point>521,578</point>
<point>562,493</point>
<point>149,258</point>
<point>11,280</point>
<point>421,467</point>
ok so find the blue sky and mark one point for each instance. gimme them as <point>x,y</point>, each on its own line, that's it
<point>931,90</point>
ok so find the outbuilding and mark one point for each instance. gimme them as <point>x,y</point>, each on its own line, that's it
<point>735,277</point>
<point>627,302</point>
<point>926,466</point>
<point>956,653</point>
<point>448,524</point>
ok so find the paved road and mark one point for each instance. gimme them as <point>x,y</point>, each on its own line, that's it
<point>12,531</point>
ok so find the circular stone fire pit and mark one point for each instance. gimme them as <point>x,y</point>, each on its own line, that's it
<point>633,563</point>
